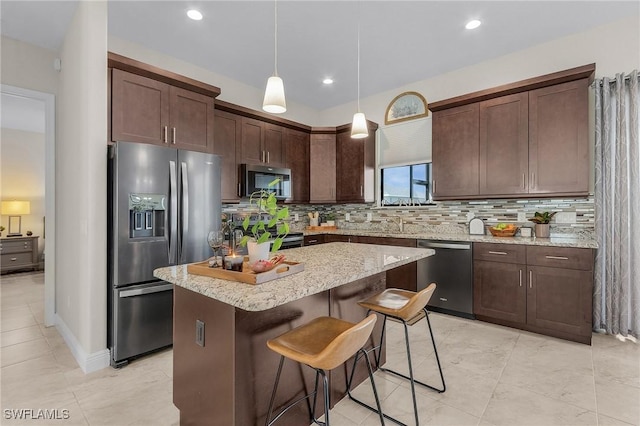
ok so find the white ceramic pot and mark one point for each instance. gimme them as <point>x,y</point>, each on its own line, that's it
<point>542,230</point>
<point>258,251</point>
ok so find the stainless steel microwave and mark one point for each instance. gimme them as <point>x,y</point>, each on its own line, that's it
<point>254,178</point>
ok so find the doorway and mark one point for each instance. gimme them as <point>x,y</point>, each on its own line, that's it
<point>28,107</point>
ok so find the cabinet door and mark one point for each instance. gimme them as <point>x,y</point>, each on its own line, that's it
<point>504,145</point>
<point>191,120</point>
<point>227,134</point>
<point>349,168</point>
<point>558,139</point>
<point>560,299</point>
<point>251,151</point>
<point>274,145</point>
<point>312,240</point>
<point>455,151</point>
<point>322,168</point>
<point>139,108</point>
<point>297,154</point>
<point>499,290</point>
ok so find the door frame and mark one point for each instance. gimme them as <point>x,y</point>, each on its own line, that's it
<point>50,191</point>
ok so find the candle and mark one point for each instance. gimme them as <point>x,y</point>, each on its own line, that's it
<point>233,262</point>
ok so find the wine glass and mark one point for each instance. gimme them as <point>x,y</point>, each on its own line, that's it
<point>215,240</point>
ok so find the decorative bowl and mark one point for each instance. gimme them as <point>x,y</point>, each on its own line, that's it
<point>503,232</point>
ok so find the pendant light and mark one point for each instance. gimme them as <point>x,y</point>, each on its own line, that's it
<point>274,94</point>
<point>359,129</point>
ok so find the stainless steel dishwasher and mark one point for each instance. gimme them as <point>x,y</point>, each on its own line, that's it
<point>451,268</point>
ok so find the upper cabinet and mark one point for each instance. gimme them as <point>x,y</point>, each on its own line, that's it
<point>355,166</point>
<point>297,155</point>
<point>525,138</point>
<point>226,142</point>
<point>151,105</point>
<point>322,168</point>
<point>262,143</point>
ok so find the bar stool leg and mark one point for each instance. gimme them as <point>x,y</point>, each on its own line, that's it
<point>273,394</point>
<point>435,351</point>
<point>411,379</point>
<point>365,355</point>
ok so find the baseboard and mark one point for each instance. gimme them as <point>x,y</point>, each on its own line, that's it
<point>87,362</point>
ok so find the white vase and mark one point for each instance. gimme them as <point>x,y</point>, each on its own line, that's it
<point>258,251</point>
<point>542,230</point>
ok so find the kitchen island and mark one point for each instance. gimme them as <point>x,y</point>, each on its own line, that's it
<point>223,371</point>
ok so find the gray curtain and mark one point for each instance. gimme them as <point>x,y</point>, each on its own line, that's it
<point>616,303</point>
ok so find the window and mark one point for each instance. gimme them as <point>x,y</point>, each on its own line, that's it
<point>406,185</point>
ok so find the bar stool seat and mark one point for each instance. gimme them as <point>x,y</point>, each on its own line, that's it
<point>408,307</point>
<point>323,344</point>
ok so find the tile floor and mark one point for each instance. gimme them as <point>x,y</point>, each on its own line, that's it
<point>495,376</point>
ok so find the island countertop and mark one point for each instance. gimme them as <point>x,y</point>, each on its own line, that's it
<point>326,266</point>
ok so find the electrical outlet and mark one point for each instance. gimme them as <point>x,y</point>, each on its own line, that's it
<point>296,217</point>
<point>369,216</point>
<point>522,217</point>
<point>347,217</point>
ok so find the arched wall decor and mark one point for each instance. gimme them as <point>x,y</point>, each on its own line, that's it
<point>406,106</point>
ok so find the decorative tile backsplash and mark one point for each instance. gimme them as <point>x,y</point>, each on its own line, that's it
<point>450,216</point>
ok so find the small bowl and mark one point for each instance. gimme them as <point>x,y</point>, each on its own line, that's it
<point>503,232</point>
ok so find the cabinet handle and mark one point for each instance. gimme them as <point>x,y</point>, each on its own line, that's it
<point>523,183</point>
<point>268,159</point>
<point>530,279</point>
<point>434,186</point>
<point>520,277</point>
<point>557,257</point>
<point>533,180</point>
<point>174,135</point>
<point>313,241</point>
<point>165,140</point>
<point>13,259</point>
<point>501,253</point>
<point>361,190</point>
<point>239,193</point>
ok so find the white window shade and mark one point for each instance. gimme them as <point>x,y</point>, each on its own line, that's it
<point>404,143</point>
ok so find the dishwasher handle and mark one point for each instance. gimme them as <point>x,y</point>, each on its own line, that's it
<point>455,246</point>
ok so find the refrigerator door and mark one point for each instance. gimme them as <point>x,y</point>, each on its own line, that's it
<point>145,219</point>
<point>200,206</point>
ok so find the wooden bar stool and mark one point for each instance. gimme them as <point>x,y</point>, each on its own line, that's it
<point>323,344</point>
<point>407,307</point>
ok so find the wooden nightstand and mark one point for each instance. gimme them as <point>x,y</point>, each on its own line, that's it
<point>18,253</point>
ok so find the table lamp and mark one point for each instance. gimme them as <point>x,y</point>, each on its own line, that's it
<point>15,210</point>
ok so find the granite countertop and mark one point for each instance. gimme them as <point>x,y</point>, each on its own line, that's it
<point>554,241</point>
<point>325,266</point>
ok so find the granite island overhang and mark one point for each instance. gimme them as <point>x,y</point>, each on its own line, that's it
<point>223,371</point>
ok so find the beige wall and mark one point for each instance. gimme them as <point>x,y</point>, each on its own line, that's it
<point>22,176</point>
<point>613,48</point>
<point>27,66</point>
<point>81,172</point>
<point>232,91</point>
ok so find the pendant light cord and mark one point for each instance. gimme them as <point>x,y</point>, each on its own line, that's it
<point>275,37</point>
<point>358,58</point>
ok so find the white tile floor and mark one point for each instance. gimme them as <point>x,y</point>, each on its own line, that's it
<point>495,376</point>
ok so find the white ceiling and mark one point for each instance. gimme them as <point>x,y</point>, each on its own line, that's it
<point>401,41</point>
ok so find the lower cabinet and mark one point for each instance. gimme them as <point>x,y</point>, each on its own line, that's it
<point>546,290</point>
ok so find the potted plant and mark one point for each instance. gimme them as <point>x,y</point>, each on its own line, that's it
<point>257,236</point>
<point>330,219</point>
<point>542,223</point>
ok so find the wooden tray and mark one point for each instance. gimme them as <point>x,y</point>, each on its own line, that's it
<point>321,228</point>
<point>247,275</point>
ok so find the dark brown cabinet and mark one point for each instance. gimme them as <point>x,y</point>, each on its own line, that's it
<point>504,145</point>
<point>355,165</point>
<point>546,290</point>
<point>455,151</point>
<point>297,155</point>
<point>150,111</point>
<point>322,168</point>
<point>262,143</point>
<point>227,134</point>
<point>516,140</point>
<point>558,139</point>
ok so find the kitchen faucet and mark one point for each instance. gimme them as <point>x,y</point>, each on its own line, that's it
<point>400,222</point>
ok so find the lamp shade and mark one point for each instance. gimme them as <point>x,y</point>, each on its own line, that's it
<point>15,208</point>
<point>359,127</point>
<point>274,96</point>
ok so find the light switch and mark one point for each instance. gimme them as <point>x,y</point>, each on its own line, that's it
<point>369,216</point>
<point>347,217</point>
<point>296,217</point>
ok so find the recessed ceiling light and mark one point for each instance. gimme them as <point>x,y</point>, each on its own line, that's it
<point>194,14</point>
<point>327,81</point>
<point>473,24</point>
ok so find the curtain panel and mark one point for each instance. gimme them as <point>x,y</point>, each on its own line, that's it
<point>616,304</point>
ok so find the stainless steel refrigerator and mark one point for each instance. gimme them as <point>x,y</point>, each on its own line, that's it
<point>162,202</point>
